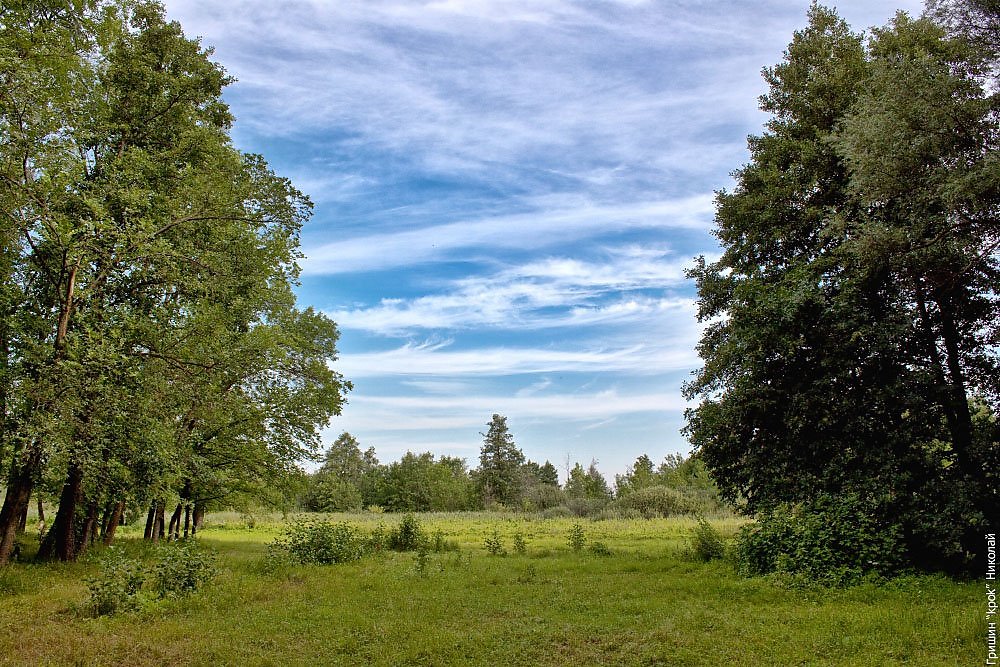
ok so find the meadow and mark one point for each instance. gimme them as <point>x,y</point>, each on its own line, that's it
<point>641,600</point>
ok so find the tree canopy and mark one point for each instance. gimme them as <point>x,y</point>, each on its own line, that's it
<point>150,344</point>
<point>851,340</point>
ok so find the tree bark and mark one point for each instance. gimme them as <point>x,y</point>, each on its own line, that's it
<point>158,523</point>
<point>60,542</point>
<point>89,528</point>
<point>116,519</point>
<point>22,522</point>
<point>150,518</point>
<point>19,485</point>
<point>174,532</point>
<point>199,517</point>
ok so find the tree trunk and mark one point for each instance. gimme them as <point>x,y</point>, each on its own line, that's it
<point>150,519</point>
<point>106,518</point>
<point>19,485</point>
<point>60,542</point>
<point>158,523</point>
<point>199,517</point>
<point>22,522</point>
<point>116,518</point>
<point>174,532</point>
<point>41,516</point>
<point>89,527</point>
<point>187,520</point>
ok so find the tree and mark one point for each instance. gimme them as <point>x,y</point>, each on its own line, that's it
<point>150,341</point>
<point>499,477</point>
<point>639,476</point>
<point>832,299</point>
<point>589,483</point>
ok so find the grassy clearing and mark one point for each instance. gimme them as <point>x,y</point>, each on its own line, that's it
<point>645,604</point>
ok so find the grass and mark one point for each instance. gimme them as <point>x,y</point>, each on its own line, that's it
<point>645,604</point>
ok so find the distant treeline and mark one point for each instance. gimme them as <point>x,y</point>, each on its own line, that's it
<point>351,479</point>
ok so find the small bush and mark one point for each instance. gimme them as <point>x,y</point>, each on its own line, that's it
<point>321,542</point>
<point>378,539</point>
<point>117,584</point>
<point>832,540</point>
<point>182,568</point>
<point>440,544</point>
<point>494,544</point>
<point>706,543</point>
<point>408,536</point>
<point>600,549</point>
<point>577,540</point>
<point>520,546</point>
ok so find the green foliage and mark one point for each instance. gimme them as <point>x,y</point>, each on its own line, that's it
<point>577,539</point>
<point>706,543</point>
<point>499,478</point>
<point>378,540</point>
<point>852,319</point>
<point>520,546</point>
<point>325,492</point>
<point>320,542</point>
<point>182,568</point>
<point>600,549</point>
<point>656,501</point>
<point>409,535</point>
<point>557,512</point>
<point>494,544</point>
<point>831,540</point>
<point>116,587</point>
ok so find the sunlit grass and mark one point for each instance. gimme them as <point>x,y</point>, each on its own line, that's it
<point>645,604</point>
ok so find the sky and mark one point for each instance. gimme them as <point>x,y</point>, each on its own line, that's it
<point>507,193</point>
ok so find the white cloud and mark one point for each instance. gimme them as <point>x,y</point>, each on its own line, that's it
<point>522,232</point>
<point>546,293</point>
<point>389,413</point>
<point>437,360</point>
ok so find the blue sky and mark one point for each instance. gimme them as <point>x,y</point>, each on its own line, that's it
<point>507,193</point>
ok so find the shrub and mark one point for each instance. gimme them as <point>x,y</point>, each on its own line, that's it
<point>182,568</point>
<point>600,549</point>
<point>576,538</point>
<point>520,546</point>
<point>117,584</point>
<point>583,507</point>
<point>494,544</point>
<point>439,543</point>
<point>321,542</point>
<point>408,536</point>
<point>655,501</point>
<point>378,539</point>
<point>706,543</point>
<point>832,540</point>
<point>558,512</point>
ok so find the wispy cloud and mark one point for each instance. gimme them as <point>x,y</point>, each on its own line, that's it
<point>551,292</point>
<point>528,231</point>
<point>468,411</point>
<point>439,360</point>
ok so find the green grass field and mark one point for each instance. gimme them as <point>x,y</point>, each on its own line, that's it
<point>647,603</point>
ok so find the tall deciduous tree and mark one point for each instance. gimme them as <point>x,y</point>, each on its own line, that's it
<point>152,266</point>
<point>852,315</point>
